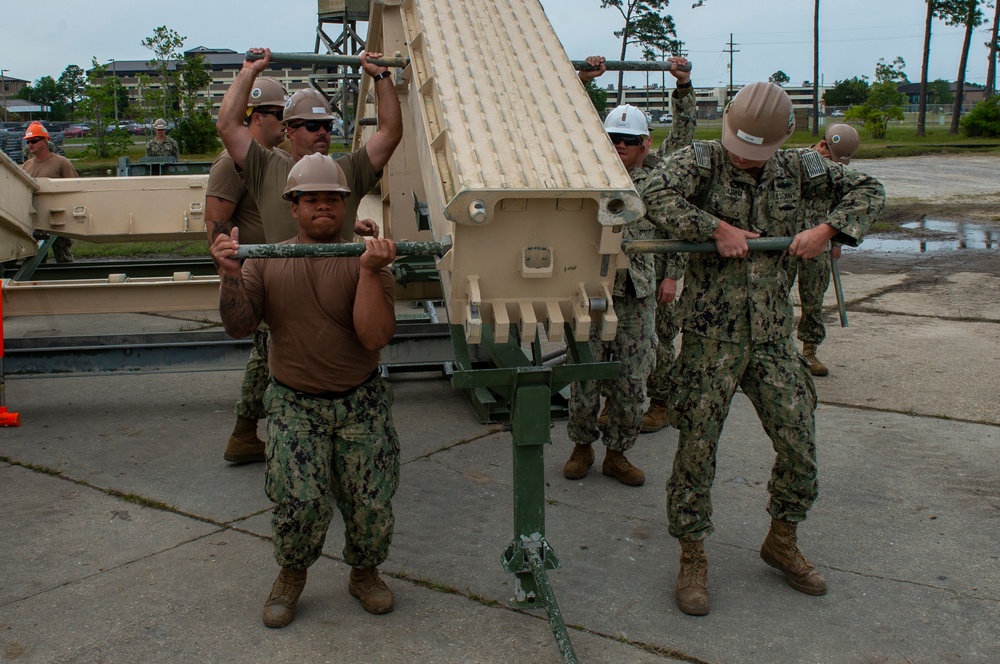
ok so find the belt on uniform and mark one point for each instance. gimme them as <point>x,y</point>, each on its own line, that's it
<point>327,396</point>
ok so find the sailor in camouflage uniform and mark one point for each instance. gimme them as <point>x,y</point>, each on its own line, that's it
<point>634,303</point>
<point>737,318</point>
<point>839,143</point>
<point>162,145</point>
<point>331,439</point>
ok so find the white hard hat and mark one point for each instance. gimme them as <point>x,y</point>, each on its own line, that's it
<point>627,119</point>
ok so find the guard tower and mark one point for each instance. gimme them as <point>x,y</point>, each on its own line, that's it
<point>337,34</point>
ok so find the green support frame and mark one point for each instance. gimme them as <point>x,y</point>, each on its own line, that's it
<point>528,384</point>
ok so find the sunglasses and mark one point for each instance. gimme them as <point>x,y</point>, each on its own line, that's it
<point>628,139</point>
<point>313,126</point>
<point>32,141</point>
<point>279,114</point>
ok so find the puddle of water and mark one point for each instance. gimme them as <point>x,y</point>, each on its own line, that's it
<point>937,235</point>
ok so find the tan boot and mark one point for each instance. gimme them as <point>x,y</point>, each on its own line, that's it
<point>781,551</point>
<point>602,419</point>
<point>618,467</point>
<point>580,460</point>
<point>655,418</point>
<point>370,589</point>
<point>244,446</point>
<point>692,579</point>
<point>279,610</point>
<point>816,367</point>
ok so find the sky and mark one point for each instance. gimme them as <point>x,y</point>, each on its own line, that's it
<point>769,35</point>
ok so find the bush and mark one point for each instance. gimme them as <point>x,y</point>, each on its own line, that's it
<point>983,119</point>
<point>196,134</point>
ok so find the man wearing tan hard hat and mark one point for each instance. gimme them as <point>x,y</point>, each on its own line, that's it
<point>162,145</point>
<point>228,204</point>
<point>839,143</point>
<point>333,444</point>
<point>737,319</point>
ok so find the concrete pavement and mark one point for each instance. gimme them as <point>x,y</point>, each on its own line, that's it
<point>127,538</point>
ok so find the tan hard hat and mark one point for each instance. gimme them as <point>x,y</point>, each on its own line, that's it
<point>842,141</point>
<point>307,104</point>
<point>757,121</point>
<point>160,123</point>
<point>315,172</point>
<point>267,91</point>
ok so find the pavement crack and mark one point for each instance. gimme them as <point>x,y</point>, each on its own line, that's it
<point>459,443</point>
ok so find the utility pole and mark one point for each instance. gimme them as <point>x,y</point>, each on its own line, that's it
<point>816,69</point>
<point>730,50</point>
<point>3,90</point>
<point>114,75</point>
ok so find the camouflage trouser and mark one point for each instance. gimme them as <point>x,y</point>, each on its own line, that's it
<point>256,378</point>
<point>814,279</point>
<point>777,381</point>
<point>633,347</point>
<point>62,249</point>
<point>658,385</point>
<point>320,451</point>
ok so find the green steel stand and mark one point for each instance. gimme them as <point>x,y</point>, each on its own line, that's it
<point>528,384</point>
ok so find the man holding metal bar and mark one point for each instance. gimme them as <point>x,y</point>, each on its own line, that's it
<point>634,301</point>
<point>308,121</point>
<point>737,318</point>
<point>331,438</point>
<point>839,143</point>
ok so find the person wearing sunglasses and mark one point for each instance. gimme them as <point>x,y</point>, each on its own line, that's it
<point>737,319</point>
<point>46,164</point>
<point>669,268</point>
<point>635,294</point>
<point>229,205</point>
<point>308,121</point>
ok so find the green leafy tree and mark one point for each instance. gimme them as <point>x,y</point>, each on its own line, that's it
<point>598,97</point>
<point>166,45</point>
<point>939,92</point>
<point>848,92</point>
<point>779,77</point>
<point>45,92</point>
<point>983,119</point>
<point>98,104</point>
<point>644,26</point>
<point>72,83</point>
<point>884,102</point>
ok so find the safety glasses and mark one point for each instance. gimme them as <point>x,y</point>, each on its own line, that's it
<point>32,141</point>
<point>312,126</point>
<point>628,139</point>
<point>279,114</point>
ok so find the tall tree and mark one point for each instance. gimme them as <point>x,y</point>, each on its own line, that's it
<point>991,70</point>
<point>967,13</point>
<point>72,83</point>
<point>779,77</point>
<point>922,101</point>
<point>884,101</point>
<point>849,92</point>
<point>166,45</point>
<point>645,26</point>
<point>98,105</point>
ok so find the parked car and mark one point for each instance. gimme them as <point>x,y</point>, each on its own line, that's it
<point>837,114</point>
<point>76,131</point>
<point>666,118</point>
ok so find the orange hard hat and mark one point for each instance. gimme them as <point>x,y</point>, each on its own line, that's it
<point>36,130</point>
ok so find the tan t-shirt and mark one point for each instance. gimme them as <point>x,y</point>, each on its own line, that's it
<point>309,305</point>
<point>56,166</point>
<point>225,183</point>
<point>266,172</point>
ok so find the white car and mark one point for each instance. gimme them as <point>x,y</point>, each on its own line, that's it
<point>666,118</point>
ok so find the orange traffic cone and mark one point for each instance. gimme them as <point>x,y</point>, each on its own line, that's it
<point>7,419</point>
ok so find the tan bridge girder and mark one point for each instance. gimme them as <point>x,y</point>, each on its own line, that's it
<point>512,162</point>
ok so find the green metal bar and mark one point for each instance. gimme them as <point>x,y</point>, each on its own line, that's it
<point>680,246</point>
<point>556,621</point>
<point>331,60</point>
<point>337,249</point>
<point>838,289</point>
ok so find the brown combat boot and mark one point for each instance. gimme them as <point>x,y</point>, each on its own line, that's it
<point>602,419</point>
<point>279,610</point>
<point>781,552</point>
<point>618,467</point>
<point>692,579</point>
<point>370,589</point>
<point>655,418</point>
<point>244,446</point>
<point>816,367</point>
<point>580,460</point>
